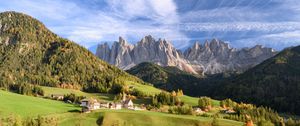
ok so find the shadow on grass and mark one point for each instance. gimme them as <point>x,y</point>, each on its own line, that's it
<point>75,111</point>
<point>100,121</point>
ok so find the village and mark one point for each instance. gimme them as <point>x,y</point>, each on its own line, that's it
<point>90,104</point>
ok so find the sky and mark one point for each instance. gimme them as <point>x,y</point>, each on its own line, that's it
<point>242,23</point>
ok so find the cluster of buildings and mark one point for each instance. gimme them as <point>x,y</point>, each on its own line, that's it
<point>93,104</point>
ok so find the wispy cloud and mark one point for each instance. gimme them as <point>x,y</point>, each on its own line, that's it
<point>89,26</point>
<point>241,26</point>
<point>276,40</point>
<point>270,22</point>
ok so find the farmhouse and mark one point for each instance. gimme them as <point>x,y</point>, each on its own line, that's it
<point>229,111</point>
<point>104,105</point>
<point>198,110</point>
<point>115,106</point>
<point>89,104</point>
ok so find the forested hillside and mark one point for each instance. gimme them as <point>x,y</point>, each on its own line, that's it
<point>274,83</point>
<point>172,78</point>
<point>30,54</point>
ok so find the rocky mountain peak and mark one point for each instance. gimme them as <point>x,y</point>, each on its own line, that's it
<point>196,46</point>
<point>147,40</point>
<point>214,42</point>
<point>122,41</point>
<point>206,44</point>
<point>166,44</point>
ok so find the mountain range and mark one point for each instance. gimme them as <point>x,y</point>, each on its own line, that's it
<point>211,57</point>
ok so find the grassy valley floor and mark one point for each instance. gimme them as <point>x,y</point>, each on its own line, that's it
<point>69,115</point>
<point>107,117</point>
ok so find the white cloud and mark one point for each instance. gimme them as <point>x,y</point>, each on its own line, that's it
<point>224,14</point>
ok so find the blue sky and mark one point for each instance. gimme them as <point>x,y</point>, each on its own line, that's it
<point>242,23</point>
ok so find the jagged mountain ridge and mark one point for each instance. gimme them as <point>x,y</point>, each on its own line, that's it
<point>218,57</point>
<point>210,58</point>
<point>125,55</point>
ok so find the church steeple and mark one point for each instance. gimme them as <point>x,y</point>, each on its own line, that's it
<point>123,97</point>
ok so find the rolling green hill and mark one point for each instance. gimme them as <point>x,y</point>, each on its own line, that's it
<point>31,54</point>
<point>274,83</point>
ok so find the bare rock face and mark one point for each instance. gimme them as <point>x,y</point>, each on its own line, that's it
<point>118,54</point>
<point>217,57</point>
<point>125,55</point>
<point>208,58</point>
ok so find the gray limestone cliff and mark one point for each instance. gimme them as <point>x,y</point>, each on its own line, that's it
<point>211,57</point>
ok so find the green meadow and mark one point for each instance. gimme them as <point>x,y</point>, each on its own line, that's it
<point>138,118</point>
<point>53,90</point>
<point>194,101</point>
<point>24,106</point>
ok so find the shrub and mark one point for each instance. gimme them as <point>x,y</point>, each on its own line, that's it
<point>73,98</point>
<point>265,123</point>
<point>165,98</point>
<point>183,110</point>
<point>227,103</point>
<point>204,102</point>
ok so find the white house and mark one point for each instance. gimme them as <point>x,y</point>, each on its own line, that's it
<point>89,104</point>
<point>198,110</point>
<point>115,105</point>
<point>118,106</point>
<point>104,105</point>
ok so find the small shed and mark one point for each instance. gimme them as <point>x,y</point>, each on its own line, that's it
<point>57,96</point>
